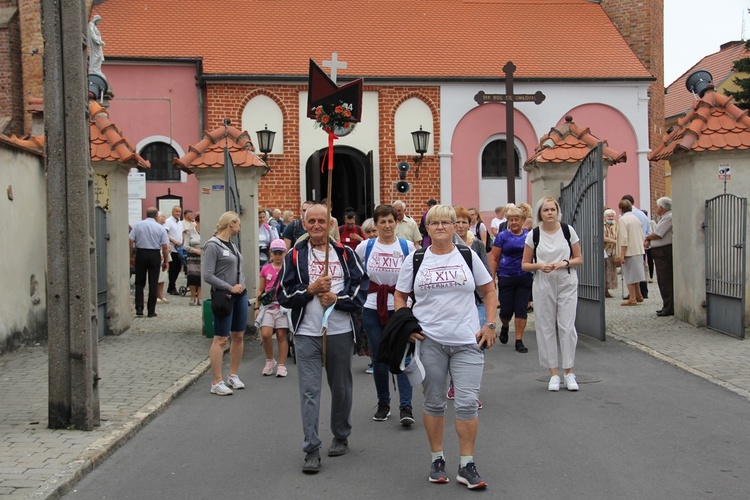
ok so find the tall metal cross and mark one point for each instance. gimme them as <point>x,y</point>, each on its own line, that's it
<point>509,98</point>
<point>335,65</point>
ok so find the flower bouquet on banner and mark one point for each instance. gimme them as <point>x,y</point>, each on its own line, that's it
<point>336,119</point>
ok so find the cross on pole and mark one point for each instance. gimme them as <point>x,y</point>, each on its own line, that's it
<point>335,65</point>
<point>509,98</point>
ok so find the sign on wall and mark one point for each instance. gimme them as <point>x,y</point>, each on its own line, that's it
<point>101,191</point>
<point>137,185</point>
<point>135,209</point>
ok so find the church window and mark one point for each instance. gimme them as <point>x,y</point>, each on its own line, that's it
<point>160,154</point>
<point>493,160</point>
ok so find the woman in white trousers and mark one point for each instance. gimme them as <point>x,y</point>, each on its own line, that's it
<point>555,289</point>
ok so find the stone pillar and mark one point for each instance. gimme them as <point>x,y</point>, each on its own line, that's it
<point>212,205</point>
<point>548,178</point>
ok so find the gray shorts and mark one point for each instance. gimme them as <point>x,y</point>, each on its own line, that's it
<point>464,364</point>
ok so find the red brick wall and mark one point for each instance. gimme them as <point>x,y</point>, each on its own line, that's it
<point>641,23</point>
<point>11,84</point>
<point>31,40</point>
<point>281,186</point>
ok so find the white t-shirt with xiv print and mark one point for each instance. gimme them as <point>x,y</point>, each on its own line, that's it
<point>338,321</point>
<point>444,294</point>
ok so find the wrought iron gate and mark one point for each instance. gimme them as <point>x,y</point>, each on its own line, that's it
<point>101,270</point>
<point>582,206</point>
<point>725,226</point>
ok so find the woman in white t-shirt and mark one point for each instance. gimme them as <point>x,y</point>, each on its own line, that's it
<point>555,291</point>
<point>383,257</point>
<point>452,341</point>
<point>476,225</point>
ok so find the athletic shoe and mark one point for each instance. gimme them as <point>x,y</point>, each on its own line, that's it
<point>407,418</point>
<point>312,462</point>
<point>369,370</point>
<point>504,334</point>
<point>221,389</point>
<point>479,405</point>
<point>437,471</point>
<point>570,381</point>
<point>338,447</point>
<point>281,371</point>
<point>554,383</point>
<point>384,411</point>
<point>451,392</point>
<point>268,369</point>
<point>470,477</point>
<point>234,382</point>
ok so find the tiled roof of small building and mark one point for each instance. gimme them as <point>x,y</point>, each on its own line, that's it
<point>418,39</point>
<point>33,144</point>
<point>209,151</point>
<point>679,100</point>
<point>714,123</point>
<point>107,142</point>
<point>570,144</point>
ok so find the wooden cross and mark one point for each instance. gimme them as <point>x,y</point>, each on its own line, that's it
<point>335,65</point>
<point>509,98</point>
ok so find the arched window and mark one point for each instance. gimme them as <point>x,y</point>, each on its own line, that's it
<point>493,160</point>
<point>160,154</point>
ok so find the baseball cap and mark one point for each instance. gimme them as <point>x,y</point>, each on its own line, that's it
<point>277,244</point>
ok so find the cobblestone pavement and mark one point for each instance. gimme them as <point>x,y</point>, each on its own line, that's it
<point>151,364</point>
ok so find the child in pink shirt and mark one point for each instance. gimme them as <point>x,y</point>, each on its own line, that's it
<point>271,317</point>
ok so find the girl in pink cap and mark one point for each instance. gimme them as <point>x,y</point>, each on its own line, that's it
<point>270,316</point>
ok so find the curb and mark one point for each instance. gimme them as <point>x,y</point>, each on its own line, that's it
<point>679,364</point>
<point>103,448</point>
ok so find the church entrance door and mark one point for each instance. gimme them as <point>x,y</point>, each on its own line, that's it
<point>352,181</point>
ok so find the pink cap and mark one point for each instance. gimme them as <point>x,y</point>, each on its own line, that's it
<point>278,244</point>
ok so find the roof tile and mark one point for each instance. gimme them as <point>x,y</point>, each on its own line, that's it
<point>467,38</point>
<point>107,142</point>
<point>209,151</point>
<point>714,123</point>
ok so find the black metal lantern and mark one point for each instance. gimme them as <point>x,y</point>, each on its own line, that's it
<point>265,141</point>
<point>420,138</point>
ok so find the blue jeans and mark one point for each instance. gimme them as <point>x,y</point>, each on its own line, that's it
<point>482,314</point>
<point>374,331</point>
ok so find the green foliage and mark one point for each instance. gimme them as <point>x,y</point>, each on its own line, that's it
<point>742,95</point>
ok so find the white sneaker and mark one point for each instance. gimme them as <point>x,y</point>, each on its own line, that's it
<point>570,382</point>
<point>221,389</point>
<point>270,365</point>
<point>234,382</point>
<point>554,383</point>
<point>281,371</point>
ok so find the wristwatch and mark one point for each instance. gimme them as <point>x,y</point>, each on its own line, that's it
<point>491,326</point>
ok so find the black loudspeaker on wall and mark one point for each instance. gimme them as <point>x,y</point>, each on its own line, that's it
<point>402,186</point>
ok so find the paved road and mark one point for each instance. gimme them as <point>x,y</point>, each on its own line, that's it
<point>638,428</point>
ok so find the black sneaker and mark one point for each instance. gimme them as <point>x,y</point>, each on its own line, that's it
<point>139,313</point>
<point>470,477</point>
<point>384,411</point>
<point>312,463</point>
<point>407,418</point>
<point>504,334</point>
<point>520,347</point>
<point>437,472</point>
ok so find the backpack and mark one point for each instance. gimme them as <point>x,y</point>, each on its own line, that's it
<point>335,243</point>
<point>371,244</point>
<point>487,240</point>
<point>566,232</point>
<point>465,253</point>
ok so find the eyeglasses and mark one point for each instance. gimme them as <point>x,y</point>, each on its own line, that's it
<point>441,223</point>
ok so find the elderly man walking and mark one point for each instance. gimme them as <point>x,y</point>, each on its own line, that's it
<point>148,243</point>
<point>309,289</point>
<point>406,227</point>
<point>660,242</point>
<point>175,231</point>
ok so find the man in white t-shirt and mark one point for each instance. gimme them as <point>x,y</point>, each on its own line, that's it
<point>495,224</point>
<point>316,293</point>
<point>175,232</point>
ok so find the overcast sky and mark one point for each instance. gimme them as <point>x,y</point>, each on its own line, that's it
<point>695,28</point>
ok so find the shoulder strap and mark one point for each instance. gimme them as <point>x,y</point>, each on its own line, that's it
<point>418,258</point>
<point>404,247</point>
<point>535,238</point>
<point>566,232</point>
<point>368,250</point>
<point>466,254</point>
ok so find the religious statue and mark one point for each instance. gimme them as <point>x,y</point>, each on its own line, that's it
<point>96,44</point>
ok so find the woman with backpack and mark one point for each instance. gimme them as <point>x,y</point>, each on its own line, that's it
<point>443,279</point>
<point>477,227</point>
<point>552,252</point>
<point>383,257</point>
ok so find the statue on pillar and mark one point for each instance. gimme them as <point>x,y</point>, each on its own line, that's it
<point>96,47</point>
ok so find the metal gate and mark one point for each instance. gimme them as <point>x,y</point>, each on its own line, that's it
<point>101,270</point>
<point>582,206</point>
<point>725,228</point>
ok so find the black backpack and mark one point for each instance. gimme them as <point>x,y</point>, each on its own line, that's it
<point>566,232</point>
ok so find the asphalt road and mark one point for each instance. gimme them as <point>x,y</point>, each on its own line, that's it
<point>639,428</point>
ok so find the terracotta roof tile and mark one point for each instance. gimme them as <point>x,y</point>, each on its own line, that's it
<point>209,151</point>
<point>33,144</point>
<point>383,38</point>
<point>679,100</point>
<point>107,142</point>
<point>714,123</point>
<point>36,105</point>
<point>569,144</point>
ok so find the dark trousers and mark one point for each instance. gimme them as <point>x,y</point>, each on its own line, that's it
<point>174,271</point>
<point>663,260</point>
<point>644,284</point>
<point>147,262</point>
<point>650,262</point>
